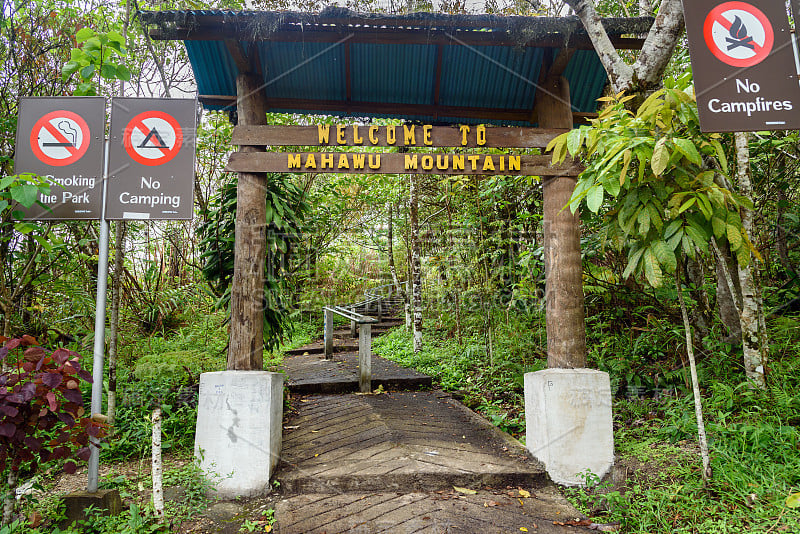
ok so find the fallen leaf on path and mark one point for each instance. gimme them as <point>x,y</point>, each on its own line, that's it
<point>465,491</point>
<point>524,494</point>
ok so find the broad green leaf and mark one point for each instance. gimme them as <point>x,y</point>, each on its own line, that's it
<point>633,262</point>
<point>705,205</point>
<point>660,157</point>
<point>655,216</point>
<point>84,34</point>
<point>719,227</point>
<point>743,256</point>
<point>652,270</point>
<point>594,198</point>
<point>108,71</point>
<point>69,68</point>
<point>723,162</point>
<point>706,178</point>
<point>697,235</point>
<point>611,185</point>
<point>574,140</point>
<point>734,237</point>
<point>123,73</point>
<point>664,255</point>
<point>626,162</point>
<point>3,205</point>
<point>674,241</point>
<point>8,180</point>
<point>672,227</point>
<point>687,148</point>
<point>24,227</point>
<point>25,194</point>
<point>558,145</point>
<point>87,72</point>
<point>686,205</point>
<point>644,221</point>
<point>793,500</point>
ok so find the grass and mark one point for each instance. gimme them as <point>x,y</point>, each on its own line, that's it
<point>753,435</point>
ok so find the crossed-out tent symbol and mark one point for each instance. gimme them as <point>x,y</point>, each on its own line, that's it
<point>153,138</point>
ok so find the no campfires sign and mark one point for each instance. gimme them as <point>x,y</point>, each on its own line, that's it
<point>744,67</point>
<point>61,138</point>
<point>152,158</point>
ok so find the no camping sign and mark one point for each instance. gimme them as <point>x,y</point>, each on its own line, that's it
<point>152,148</point>
<point>743,64</point>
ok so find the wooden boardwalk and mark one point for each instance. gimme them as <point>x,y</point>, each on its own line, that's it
<point>401,461</point>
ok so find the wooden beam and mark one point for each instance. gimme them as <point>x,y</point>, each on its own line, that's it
<point>391,109</point>
<point>245,350</point>
<point>397,163</point>
<point>441,136</point>
<point>564,313</point>
<point>240,59</point>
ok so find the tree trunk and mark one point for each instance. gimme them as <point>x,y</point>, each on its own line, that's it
<point>698,406</point>
<point>702,314</point>
<point>647,70</point>
<point>116,290</point>
<point>755,356</point>
<point>10,500</point>
<point>245,351</point>
<point>416,288</point>
<point>566,330</point>
<point>728,292</point>
<point>390,251</point>
<point>157,470</point>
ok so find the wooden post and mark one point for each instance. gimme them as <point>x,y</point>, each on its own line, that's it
<point>566,330</point>
<point>353,329</point>
<point>380,310</point>
<point>365,357</point>
<point>328,333</point>
<point>245,351</point>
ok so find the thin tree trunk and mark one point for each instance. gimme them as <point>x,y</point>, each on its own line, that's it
<point>10,500</point>
<point>728,292</point>
<point>157,470</point>
<point>754,351</point>
<point>390,251</point>
<point>416,289</point>
<point>698,406</point>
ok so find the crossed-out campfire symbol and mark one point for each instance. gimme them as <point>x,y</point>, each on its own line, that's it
<point>739,36</point>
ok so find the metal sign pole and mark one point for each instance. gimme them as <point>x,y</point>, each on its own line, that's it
<point>99,329</point>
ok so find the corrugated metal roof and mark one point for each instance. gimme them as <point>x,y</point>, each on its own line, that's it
<point>428,67</point>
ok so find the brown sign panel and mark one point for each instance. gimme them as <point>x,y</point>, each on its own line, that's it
<point>418,135</point>
<point>151,158</point>
<point>396,163</point>
<point>743,65</point>
<point>61,138</point>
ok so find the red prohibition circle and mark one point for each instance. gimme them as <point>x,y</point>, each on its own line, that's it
<point>138,122</point>
<point>75,152</point>
<point>716,14</point>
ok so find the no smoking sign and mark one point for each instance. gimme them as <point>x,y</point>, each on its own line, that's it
<point>60,138</point>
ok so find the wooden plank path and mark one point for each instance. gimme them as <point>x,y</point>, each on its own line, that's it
<point>391,462</point>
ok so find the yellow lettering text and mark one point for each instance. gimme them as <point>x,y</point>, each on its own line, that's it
<point>426,134</point>
<point>442,162</point>
<point>458,162</point>
<point>294,161</point>
<point>473,161</point>
<point>343,163</point>
<point>326,161</point>
<point>391,135</point>
<point>410,161</point>
<point>358,161</point>
<point>324,132</point>
<point>357,139</point>
<point>372,137</point>
<point>374,161</point>
<point>311,162</point>
<point>464,131</point>
<point>427,162</point>
<point>488,164</point>
<point>514,163</point>
<point>481,132</point>
<point>340,130</point>
<point>409,136</point>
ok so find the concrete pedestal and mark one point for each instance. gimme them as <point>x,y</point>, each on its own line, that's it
<point>238,438</point>
<point>568,422</point>
<point>107,501</point>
